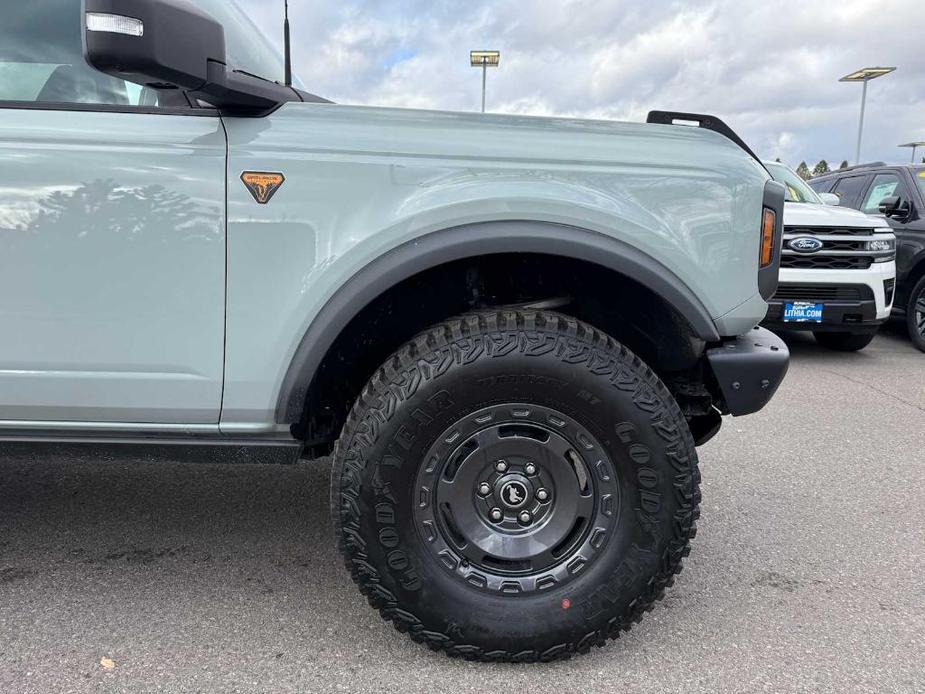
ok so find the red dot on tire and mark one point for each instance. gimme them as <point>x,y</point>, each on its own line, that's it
<point>566,603</point>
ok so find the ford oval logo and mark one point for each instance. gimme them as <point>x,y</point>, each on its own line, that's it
<point>805,244</point>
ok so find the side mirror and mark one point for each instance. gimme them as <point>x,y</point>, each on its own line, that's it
<point>894,206</point>
<point>161,44</point>
<point>830,199</point>
<point>889,204</point>
<point>171,44</point>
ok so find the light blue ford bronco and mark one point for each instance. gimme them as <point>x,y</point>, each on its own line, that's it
<point>509,333</point>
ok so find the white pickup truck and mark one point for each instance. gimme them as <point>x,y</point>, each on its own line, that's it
<point>838,268</point>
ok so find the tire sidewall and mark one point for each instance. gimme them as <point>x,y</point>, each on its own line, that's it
<point>918,340</point>
<point>610,393</point>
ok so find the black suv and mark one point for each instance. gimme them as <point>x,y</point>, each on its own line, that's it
<point>898,193</point>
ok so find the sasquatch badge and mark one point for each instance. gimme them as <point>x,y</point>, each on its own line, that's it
<point>262,185</point>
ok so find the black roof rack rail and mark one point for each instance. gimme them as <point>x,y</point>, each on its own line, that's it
<point>868,165</point>
<point>701,120</point>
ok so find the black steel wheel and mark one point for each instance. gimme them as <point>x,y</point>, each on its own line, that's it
<point>915,315</point>
<point>516,498</point>
<point>514,486</point>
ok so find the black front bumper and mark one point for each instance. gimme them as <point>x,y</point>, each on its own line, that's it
<point>839,316</point>
<point>748,369</point>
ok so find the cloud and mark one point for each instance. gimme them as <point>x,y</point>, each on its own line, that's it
<point>769,69</point>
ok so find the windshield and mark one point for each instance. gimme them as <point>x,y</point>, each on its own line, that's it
<point>797,190</point>
<point>918,173</point>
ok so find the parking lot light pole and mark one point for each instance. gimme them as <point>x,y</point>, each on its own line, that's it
<point>484,60</point>
<point>864,75</point>
<point>913,145</point>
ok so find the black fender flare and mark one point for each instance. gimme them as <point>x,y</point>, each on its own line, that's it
<point>466,241</point>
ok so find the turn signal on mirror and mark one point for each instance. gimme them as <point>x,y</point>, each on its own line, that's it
<point>768,220</point>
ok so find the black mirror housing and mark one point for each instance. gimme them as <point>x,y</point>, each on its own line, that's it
<point>888,205</point>
<point>894,206</point>
<point>166,44</point>
<point>156,43</point>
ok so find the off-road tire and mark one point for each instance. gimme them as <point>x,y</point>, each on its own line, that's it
<point>844,342</point>
<point>484,360</point>
<point>915,315</point>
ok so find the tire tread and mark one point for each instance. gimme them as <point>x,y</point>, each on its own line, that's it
<point>437,349</point>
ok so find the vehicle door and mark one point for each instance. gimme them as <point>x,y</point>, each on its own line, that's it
<point>112,238</point>
<point>886,184</point>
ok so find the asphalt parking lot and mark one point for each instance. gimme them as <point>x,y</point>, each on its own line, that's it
<point>807,574</point>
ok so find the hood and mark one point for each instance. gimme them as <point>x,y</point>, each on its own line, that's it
<point>514,140</point>
<point>810,215</point>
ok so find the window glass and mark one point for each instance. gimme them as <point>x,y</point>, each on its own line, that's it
<point>820,186</point>
<point>919,174</point>
<point>41,56</point>
<point>884,186</point>
<point>41,59</point>
<point>848,189</point>
<point>795,187</point>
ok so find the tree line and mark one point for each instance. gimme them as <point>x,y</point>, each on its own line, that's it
<point>819,169</point>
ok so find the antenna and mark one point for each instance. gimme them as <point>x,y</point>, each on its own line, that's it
<point>286,46</point>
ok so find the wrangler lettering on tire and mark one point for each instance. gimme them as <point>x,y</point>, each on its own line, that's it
<point>514,486</point>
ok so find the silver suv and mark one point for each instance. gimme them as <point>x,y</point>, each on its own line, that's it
<point>510,332</point>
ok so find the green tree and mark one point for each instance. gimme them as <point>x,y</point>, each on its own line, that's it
<point>843,165</point>
<point>821,168</point>
<point>803,171</point>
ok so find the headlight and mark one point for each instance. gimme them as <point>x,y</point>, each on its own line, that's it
<point>886,245</point>
<point>881,245</point>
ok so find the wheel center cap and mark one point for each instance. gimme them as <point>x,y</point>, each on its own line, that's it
<point>514,494</point>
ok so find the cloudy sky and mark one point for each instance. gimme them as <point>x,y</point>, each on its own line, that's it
<point>769,68</point>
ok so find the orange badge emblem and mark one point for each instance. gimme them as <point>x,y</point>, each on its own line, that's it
<point>262,185</point>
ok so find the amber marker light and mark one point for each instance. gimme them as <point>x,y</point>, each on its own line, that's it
<point>768,219</point>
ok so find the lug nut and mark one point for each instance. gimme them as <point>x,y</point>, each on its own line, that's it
<point>542,494</point>
<point>501,466</point>
<point>524,517</point>
<point>530,469</point>
<point>484,489</point>
<point>496,514</point>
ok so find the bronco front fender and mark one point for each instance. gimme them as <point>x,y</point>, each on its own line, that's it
<point>468,241</point>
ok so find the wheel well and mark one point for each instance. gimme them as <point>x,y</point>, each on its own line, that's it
<point>620,306</point>
<point>915,274</point>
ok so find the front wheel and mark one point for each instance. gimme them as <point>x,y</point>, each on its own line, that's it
<point>514,485</point>
<point>844,342</point>
<point>915,315</point>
